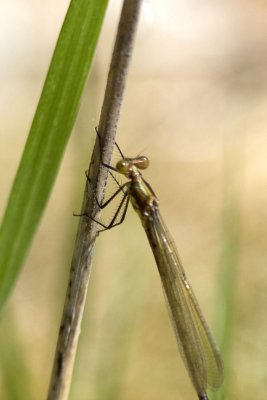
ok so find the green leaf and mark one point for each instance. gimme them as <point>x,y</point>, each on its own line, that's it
<point>49,133</point>
<point>229,258</point>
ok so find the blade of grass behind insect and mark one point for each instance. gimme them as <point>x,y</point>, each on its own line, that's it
<point>227,272</point>
<point>124,309</point>
<point>48,136</point>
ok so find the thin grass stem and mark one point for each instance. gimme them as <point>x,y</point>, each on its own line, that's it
<point>87,231</point>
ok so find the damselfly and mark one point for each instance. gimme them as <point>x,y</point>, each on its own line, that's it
<point>195,341</point>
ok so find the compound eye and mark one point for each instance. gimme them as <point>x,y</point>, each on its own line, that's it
<point>142,162</point>
<point>122,167</point>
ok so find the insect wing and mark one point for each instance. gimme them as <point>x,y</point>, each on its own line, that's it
<point>195,341</point>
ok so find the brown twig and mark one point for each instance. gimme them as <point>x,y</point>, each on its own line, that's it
<point>87,230</point>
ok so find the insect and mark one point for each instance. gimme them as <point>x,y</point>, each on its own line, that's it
<point>195,341</point>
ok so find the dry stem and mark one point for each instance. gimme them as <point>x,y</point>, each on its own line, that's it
<point>87,230</point>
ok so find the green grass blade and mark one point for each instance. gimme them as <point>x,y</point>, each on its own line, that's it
<point>50,130</point>
<point>227,274</point>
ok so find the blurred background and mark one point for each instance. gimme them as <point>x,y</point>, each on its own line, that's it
<point>195,104</point>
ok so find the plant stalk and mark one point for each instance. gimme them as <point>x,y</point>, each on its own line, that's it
<point>87,230</point>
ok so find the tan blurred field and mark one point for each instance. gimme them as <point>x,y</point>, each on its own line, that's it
<point>195,104</point>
